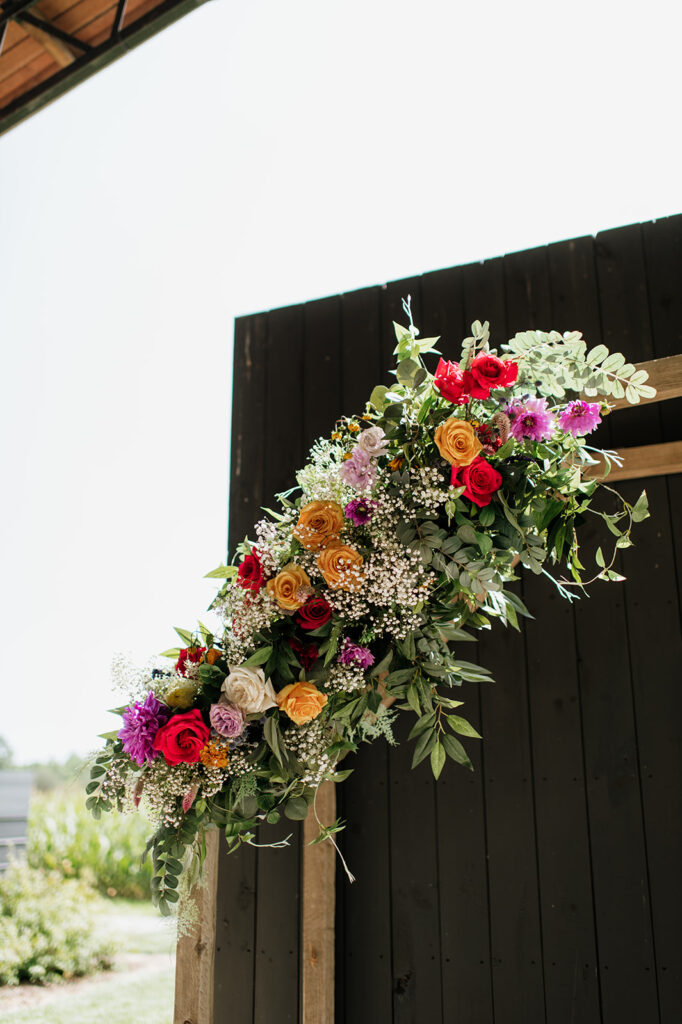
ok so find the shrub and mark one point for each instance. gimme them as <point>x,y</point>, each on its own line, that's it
<point>63,836</point>
<point>46,930</point>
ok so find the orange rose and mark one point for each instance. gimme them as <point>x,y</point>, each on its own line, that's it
<point>212,656</point>
<point>290,587</point>
<point>457,441</point>
<point>301,701</point>
<point>318,522</point>
<point>341,566</point>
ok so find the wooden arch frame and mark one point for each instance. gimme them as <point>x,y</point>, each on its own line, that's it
<point>195,953</point>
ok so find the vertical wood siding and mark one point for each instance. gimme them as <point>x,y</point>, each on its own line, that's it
<point>545,886</point>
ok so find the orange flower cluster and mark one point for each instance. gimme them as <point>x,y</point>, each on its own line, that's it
<point>215,754</point>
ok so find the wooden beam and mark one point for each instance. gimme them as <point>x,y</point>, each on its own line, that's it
<point>319,902</point>
<point>59,51</point>
<point>647,460</point>
<point>196,951</point>
<point>664,374</point>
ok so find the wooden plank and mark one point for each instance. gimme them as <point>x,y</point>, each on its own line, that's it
<point>415,908</point>
<point>663,252</point>
<point>235,934</point>
<point>664,374</point>
<point>364,979</point>
<point>622,906</point>
<point>624,311</point>
<point>665,846</point>
<point>62,54</point>
<point>196,950</point>
<point>364,955</point>
<point>237,873</point>
<point>27,64</point>
<point>322,382</point>
<point>661,779</point>
<point>621,896</point>
<point>655,649</point>
<point>460,817</point>
<point>247,494</point>
<point>564,865</point>
<point>414,857</point>
<point>642,461</point>
<point>319,898</point>
<point>277,943</point>
<point>514,294</point>
<point>361,364</point>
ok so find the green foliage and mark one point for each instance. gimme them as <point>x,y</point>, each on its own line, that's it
<point>63,837</point>
<point>449,533</point>
<point>556,363</point>
<point>46,928</point>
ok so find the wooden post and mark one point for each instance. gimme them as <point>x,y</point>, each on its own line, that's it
<point>319,901</point>
<point>195,953</point>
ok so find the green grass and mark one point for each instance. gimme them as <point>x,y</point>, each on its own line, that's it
<point>146,998</point>
<point>136,927</point>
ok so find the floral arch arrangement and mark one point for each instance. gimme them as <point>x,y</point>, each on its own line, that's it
<point>348,605</point>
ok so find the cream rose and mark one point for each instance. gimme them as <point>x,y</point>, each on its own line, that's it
<point>373,442</point>
<point>248,690</point>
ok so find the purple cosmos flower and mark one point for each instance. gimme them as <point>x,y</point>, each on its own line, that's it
<point>226,719</point>
<point>359,471</point>
<point>360,511</point>
<point>353,654</point>
<point>531,419</point>
<point>141,722</point>
<point>580,418</point>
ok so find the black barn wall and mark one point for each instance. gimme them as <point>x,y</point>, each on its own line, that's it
<point>545,886</point>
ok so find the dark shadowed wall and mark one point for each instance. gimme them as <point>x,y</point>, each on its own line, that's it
<point>546,885</point>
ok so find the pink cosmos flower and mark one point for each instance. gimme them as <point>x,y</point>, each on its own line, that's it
<point>579,418</point>
<point>531,419</point>
<point>359,472</point>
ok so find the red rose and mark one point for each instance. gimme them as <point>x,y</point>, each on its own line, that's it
<point>307,654</point>
<point>189,655</point>
<point>182,738</point>
<point>449,380</point>
<point>250,573</point>
<point>488,372</point>
<point>480,481</point>
<point>315,612</point>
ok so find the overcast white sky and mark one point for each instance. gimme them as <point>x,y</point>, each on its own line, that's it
<point>252,156</point>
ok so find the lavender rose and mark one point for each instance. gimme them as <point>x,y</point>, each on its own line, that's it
<point>226,719</point>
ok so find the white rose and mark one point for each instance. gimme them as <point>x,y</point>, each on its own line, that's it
<point>372,442</point>
<point>248,690</point>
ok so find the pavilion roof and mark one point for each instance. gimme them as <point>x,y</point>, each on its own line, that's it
<point>49,46</point>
